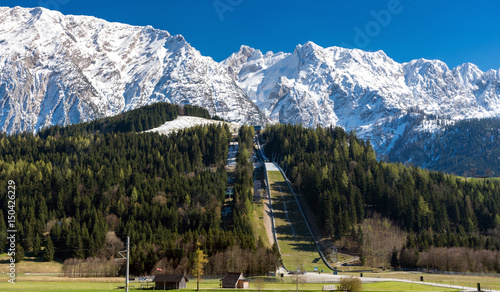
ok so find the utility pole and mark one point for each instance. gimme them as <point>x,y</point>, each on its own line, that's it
<point>128,263</point>
<point>127,258</point>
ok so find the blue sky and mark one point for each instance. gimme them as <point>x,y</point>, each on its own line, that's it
<point>452,31</point>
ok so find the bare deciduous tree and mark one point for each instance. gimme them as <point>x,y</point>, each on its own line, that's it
<point>379,237</point>
<point>350,284</point>
<point>112,244</point>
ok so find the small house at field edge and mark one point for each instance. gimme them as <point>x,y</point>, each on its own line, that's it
<point>234,281</point>
<point>170,281</point>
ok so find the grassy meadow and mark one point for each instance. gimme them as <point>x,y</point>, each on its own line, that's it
<point>55,284</point>
<point>295,241</point>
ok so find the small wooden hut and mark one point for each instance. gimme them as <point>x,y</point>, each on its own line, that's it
<point>234,281</point>
<point>170,281</point>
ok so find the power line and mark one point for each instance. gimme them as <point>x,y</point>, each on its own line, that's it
<point>126,257</point>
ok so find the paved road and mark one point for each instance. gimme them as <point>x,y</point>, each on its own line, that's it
<point>329,278</point>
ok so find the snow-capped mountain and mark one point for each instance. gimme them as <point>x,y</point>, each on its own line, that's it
<point>57,69</point>
<point>363,91</point>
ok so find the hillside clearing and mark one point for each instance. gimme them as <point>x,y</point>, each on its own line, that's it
<point>183,122</point>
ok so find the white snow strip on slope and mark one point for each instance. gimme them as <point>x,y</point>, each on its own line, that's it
<point>270,166</point>
<point>183,122</point>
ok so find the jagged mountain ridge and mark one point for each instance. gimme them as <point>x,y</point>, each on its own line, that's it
<point>363,91</point>
<point>57,69</point>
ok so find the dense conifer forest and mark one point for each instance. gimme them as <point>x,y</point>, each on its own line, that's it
<point>244,185</point>
<point>340,178</point>
<point>466,148</point>
<point>82,189</point>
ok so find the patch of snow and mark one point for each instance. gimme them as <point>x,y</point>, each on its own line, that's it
<point>271,166</point>
<point>184,122</point>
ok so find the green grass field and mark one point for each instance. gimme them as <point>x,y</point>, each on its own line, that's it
<point>258,224</point>
<point>58,286</point>
<point>294,239</point>
<point>30,265</point>
<point>85,285</point>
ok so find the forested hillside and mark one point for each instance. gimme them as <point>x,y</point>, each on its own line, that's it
<point>243,187</point>
<point>341,179</point>
<point>468,148</point>
<point>82,189</point>
<point>138,120</point>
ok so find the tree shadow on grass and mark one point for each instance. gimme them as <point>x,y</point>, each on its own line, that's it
<point>301,246</point>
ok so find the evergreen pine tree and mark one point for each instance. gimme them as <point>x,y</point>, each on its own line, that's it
<point>394,258</point>
<point>79,253</point>
<point>3,231</point>
<point>92,247</point>
<point>49,250</point>
<point>28,241</point>
<point>19,256</point>
<point>362,257</point>
<point>37,245</point>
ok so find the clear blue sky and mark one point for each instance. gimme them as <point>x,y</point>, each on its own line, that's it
<point>453,31</point>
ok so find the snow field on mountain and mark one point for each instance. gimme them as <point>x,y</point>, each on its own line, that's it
<point>184,122</point>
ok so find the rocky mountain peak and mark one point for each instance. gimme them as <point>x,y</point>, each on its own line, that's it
<point>59,69</point>
<point>364,91</point>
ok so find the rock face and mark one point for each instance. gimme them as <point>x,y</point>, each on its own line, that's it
<point>58,69</point>
<point>363,91</point>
